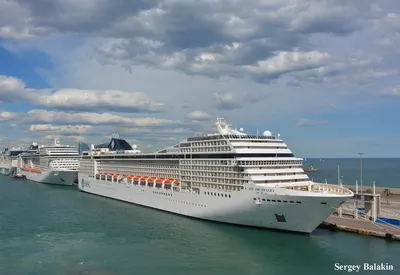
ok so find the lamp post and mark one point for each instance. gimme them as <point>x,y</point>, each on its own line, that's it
<point>361,155</point>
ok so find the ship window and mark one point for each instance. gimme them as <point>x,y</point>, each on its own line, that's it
<point>323,202</point>
<point>229,195</point>
<point>291,201</point>
<point>273,200</point>
<point>280,218</point>
<point>268,200</point>
<point>298,201</point>
<point>279,201</point>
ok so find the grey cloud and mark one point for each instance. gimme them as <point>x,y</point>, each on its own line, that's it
<point>85,17</point>
<point>178,35</point>
<point>358,68</point>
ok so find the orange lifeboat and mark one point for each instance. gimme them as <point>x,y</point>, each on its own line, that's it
<point>169,181</point>
<point>160,180</point>
<point>131,177</point>
<point>37,170</point>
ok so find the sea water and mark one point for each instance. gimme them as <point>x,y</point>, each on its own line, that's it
<point>385,172</point>
<point>48,229</point>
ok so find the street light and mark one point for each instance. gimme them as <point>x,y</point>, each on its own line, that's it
<point>361,155</point>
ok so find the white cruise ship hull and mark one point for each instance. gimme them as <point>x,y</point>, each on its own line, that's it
<point>304,214</point>
<point>62,177</point>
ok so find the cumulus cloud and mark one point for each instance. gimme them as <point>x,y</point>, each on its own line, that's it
<point>358,67</point>
<point>306,122</point>
<point>78,126</point>
<point>226,101</point>
<point>212,38</point>
<point>6,116</point>
<point>43,118</point>
<point>13,90</point>
<point>198,115</point>
<point>61,129</point>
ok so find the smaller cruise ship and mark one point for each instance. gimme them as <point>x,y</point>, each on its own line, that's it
<point>52,164</point>
<point>8,159</point>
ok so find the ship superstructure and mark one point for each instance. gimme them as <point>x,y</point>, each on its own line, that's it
<point>228,176</point>
<point>53,164</point>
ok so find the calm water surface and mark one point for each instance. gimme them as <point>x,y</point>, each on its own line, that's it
<point>59,230</point>
<point>385,172</point>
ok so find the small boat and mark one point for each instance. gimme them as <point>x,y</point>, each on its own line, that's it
<point>311,169</point>
<point>18,177</point>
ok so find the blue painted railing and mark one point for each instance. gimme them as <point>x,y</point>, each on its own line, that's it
<point>387,220</point>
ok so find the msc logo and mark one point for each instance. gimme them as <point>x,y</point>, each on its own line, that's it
<point>85,183</point>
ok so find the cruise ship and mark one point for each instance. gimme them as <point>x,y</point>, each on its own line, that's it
<point>228,177</point>
<point>8,159</point>
<point>53,164</point>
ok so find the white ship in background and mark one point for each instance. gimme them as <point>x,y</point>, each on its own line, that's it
<point>8,159</point>
<point>229,177</point>
<point>53,164</point>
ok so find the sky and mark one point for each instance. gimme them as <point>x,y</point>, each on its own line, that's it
<point>324,74</point>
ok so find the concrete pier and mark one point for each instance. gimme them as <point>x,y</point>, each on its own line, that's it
<point>349,218</point>
<point>363,227</point>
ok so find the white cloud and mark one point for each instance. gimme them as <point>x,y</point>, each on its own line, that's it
<point>226,101</point>
<point>13,90</point>
<point>198,115</point>
<point>60,117</point>
<point>284,62</point>
<point>6,116</point>
<point>61,129</point>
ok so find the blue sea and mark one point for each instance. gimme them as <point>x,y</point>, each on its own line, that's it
<point>57,230</point>
<point>385,172</point>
